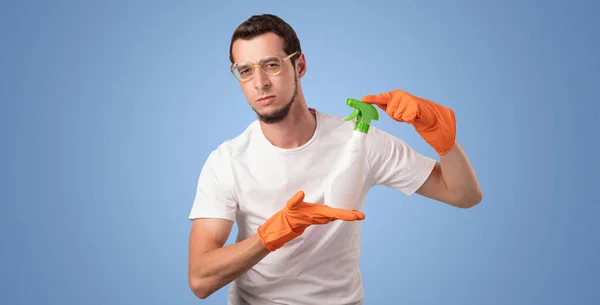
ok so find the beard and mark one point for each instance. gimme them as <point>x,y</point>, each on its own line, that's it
<point>279,114</point>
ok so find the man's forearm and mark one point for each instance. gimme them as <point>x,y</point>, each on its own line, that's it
<point>459,176</point>
<point>217,268</point>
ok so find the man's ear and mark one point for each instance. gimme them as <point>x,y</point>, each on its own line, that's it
<point>301,65</point>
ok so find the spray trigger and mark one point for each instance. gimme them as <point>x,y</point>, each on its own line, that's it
<point>364,114</point>
<point>355,114</point>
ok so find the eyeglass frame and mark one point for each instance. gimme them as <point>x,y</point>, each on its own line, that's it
<point>255,65</point>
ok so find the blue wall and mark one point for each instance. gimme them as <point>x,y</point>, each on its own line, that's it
<point>109,109</point>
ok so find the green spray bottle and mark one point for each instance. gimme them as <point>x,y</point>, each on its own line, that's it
<point>346,181</point>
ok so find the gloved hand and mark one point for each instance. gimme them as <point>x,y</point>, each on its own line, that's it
<point>435,123</point>
<point>291,221</point>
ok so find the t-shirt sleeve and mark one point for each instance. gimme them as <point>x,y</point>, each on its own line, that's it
<point>395,164</point>
<point>214,192</point>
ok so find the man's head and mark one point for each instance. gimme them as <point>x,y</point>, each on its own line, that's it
<point>272,85</point>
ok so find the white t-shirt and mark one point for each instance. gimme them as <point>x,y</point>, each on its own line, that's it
<point>247,179</point>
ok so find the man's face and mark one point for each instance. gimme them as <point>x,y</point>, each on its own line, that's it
<point>270,96</point>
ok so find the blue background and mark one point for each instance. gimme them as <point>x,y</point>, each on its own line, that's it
<point>109,109</point>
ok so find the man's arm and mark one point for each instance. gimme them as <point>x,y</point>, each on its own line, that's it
<point>453,180</point>
<point>212,266</point>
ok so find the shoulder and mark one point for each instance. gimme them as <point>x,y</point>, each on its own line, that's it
<point>232,148</point>
<point>331,123</point>
<point>383,145</point>
<point>380,137</point>
<point>329,119</point>
<point>220,165</point>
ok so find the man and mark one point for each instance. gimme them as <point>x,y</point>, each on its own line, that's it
<point>292,249</point>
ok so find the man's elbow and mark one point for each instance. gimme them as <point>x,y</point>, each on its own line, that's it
<point>469,199</point>
<point>199,288</point>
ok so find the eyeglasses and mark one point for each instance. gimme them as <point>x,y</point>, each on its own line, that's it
<point>271,65</point>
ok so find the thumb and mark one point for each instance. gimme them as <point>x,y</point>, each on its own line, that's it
<point>298,197</point>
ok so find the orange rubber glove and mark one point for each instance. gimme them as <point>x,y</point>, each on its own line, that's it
<point>435,123</point>
<point>291,221</point>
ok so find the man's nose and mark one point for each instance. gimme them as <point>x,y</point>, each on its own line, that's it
<point>260,79</point>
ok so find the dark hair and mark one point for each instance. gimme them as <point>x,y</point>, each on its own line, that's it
<point>267,23</point>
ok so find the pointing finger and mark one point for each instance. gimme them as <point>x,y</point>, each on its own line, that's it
<point>379,99</point>
<point>348,215</point>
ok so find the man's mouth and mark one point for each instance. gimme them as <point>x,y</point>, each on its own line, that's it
<point>265,100</point>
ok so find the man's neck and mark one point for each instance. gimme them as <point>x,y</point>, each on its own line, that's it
<point>294,131</point>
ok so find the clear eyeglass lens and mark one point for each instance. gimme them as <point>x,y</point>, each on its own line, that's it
<point>270,65</point>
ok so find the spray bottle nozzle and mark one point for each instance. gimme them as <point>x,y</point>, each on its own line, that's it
<point>364,114</point>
